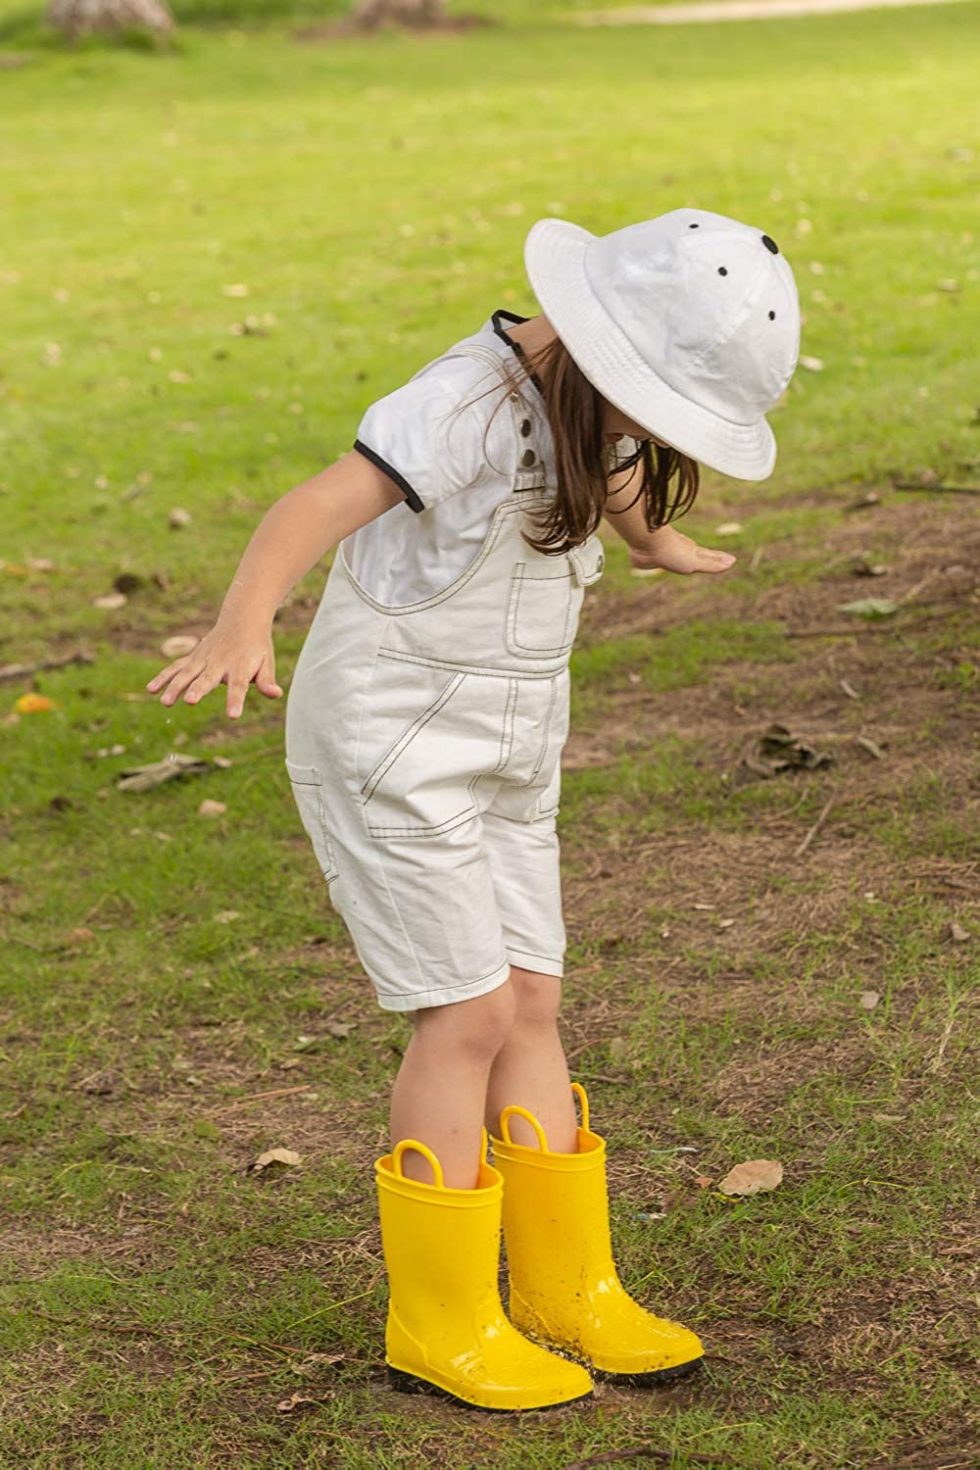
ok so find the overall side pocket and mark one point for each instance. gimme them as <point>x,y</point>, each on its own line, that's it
<point>542,608</point>
<point>306,782</point>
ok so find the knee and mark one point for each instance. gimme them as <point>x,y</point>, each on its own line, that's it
<point>477,1028</point>
<point>538,998</point>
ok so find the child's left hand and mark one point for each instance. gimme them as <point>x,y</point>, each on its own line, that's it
<point>676,552</point>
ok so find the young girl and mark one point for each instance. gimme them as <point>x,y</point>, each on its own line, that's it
<point>424,729</point>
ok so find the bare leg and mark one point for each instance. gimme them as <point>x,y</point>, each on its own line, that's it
<point>439,1096</point>
<point>530,1068</point>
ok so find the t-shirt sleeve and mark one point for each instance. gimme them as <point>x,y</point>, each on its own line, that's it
<point>621,453</point>
<point>436,435</point>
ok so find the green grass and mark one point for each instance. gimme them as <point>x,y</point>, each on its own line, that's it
<point>161,968</point>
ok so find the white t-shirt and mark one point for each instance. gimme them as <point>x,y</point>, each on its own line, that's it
<point>454,468</point>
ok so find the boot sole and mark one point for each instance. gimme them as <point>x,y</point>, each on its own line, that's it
<point>657,1378</point>
<point>403,1382</point>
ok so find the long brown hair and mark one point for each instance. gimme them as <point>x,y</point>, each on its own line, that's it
<point>574,409</point>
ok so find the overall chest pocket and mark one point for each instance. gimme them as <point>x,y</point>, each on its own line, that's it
<point>427,735</point>
<point>306,783</point>
<point>545,599</point>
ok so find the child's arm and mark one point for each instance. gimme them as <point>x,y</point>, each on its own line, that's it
<point>664,547</point>
<point>292,536</point>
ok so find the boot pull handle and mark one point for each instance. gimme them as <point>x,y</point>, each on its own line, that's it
<point>580,1091</point>
<point>505,1116</point>
<point>404,1144</point>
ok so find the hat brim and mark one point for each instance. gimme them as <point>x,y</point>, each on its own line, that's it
<point>554,257</point>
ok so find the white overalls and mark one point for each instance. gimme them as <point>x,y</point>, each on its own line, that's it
<point>423,744</point>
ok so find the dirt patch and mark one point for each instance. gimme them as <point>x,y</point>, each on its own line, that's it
<point>929,547</point>
<point>704,908</point>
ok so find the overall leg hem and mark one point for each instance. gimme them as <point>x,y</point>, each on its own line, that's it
<point>445,995</point>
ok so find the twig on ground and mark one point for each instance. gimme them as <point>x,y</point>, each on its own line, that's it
<point>933,489</point>
<point>913,592</point>
<point>871,746</point>
<point>18,671</point>
<point>240,1102</point>
<point>937,1060</point>
<point>804,845</point>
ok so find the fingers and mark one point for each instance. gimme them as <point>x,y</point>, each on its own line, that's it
<point>706,560</point>
<point>265,679</point>
<point>158,680</point>
<point>237,690</point>
<point>180,681</point>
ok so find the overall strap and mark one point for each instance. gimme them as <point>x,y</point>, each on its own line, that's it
<point>530,473</point>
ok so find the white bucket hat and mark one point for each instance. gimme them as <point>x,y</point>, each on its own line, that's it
<point>688,323</point>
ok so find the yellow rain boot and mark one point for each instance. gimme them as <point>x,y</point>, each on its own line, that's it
<point>564,1287</point>
<point>446,1331</point>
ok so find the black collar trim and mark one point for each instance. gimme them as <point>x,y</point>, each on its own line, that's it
<point>513,317</point>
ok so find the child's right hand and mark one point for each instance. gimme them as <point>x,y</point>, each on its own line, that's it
<point>231,653</point>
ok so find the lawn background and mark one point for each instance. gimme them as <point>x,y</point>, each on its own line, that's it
<point>372,196</point>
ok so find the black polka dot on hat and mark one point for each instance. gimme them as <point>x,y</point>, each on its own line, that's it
<point>770,244</point>
<point>772,316</point>
<point>692,227</point>
<point>723,270</point>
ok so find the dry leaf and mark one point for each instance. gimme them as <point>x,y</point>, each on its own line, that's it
<point>100,1084</point>
<point>178,646</point>
<point>82,934</point>
<point>284,1156</point>
<point>341,1029</point>
<point>314,1363</point>
<point>869,999</point>
<point>703,1181</point>
<point>867,502</point>
<point>869,607</point>
<point>237,289</point>
<point>752,1177</point>
<point>110,600</point>
<point>729,528</point>
<point>812,364</point>
<point>864,568</point>
<point>209,808</point>
<point>144,778</point>
<point>34,704</point>
<point>227,916</point>
<point>871,746</point>
<point>294,1402</point>
<point>178,518</point>
<point>958,934</point>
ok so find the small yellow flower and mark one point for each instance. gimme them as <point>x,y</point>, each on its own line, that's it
<point>32,704</point>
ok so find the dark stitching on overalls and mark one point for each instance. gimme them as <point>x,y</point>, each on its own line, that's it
<point>405,739</point>
<point>519,577</point>
<point>507,728</point>
<point>475,670</point>
<point>547,733</point>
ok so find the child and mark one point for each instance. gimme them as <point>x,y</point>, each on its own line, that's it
<point>424,728</point>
